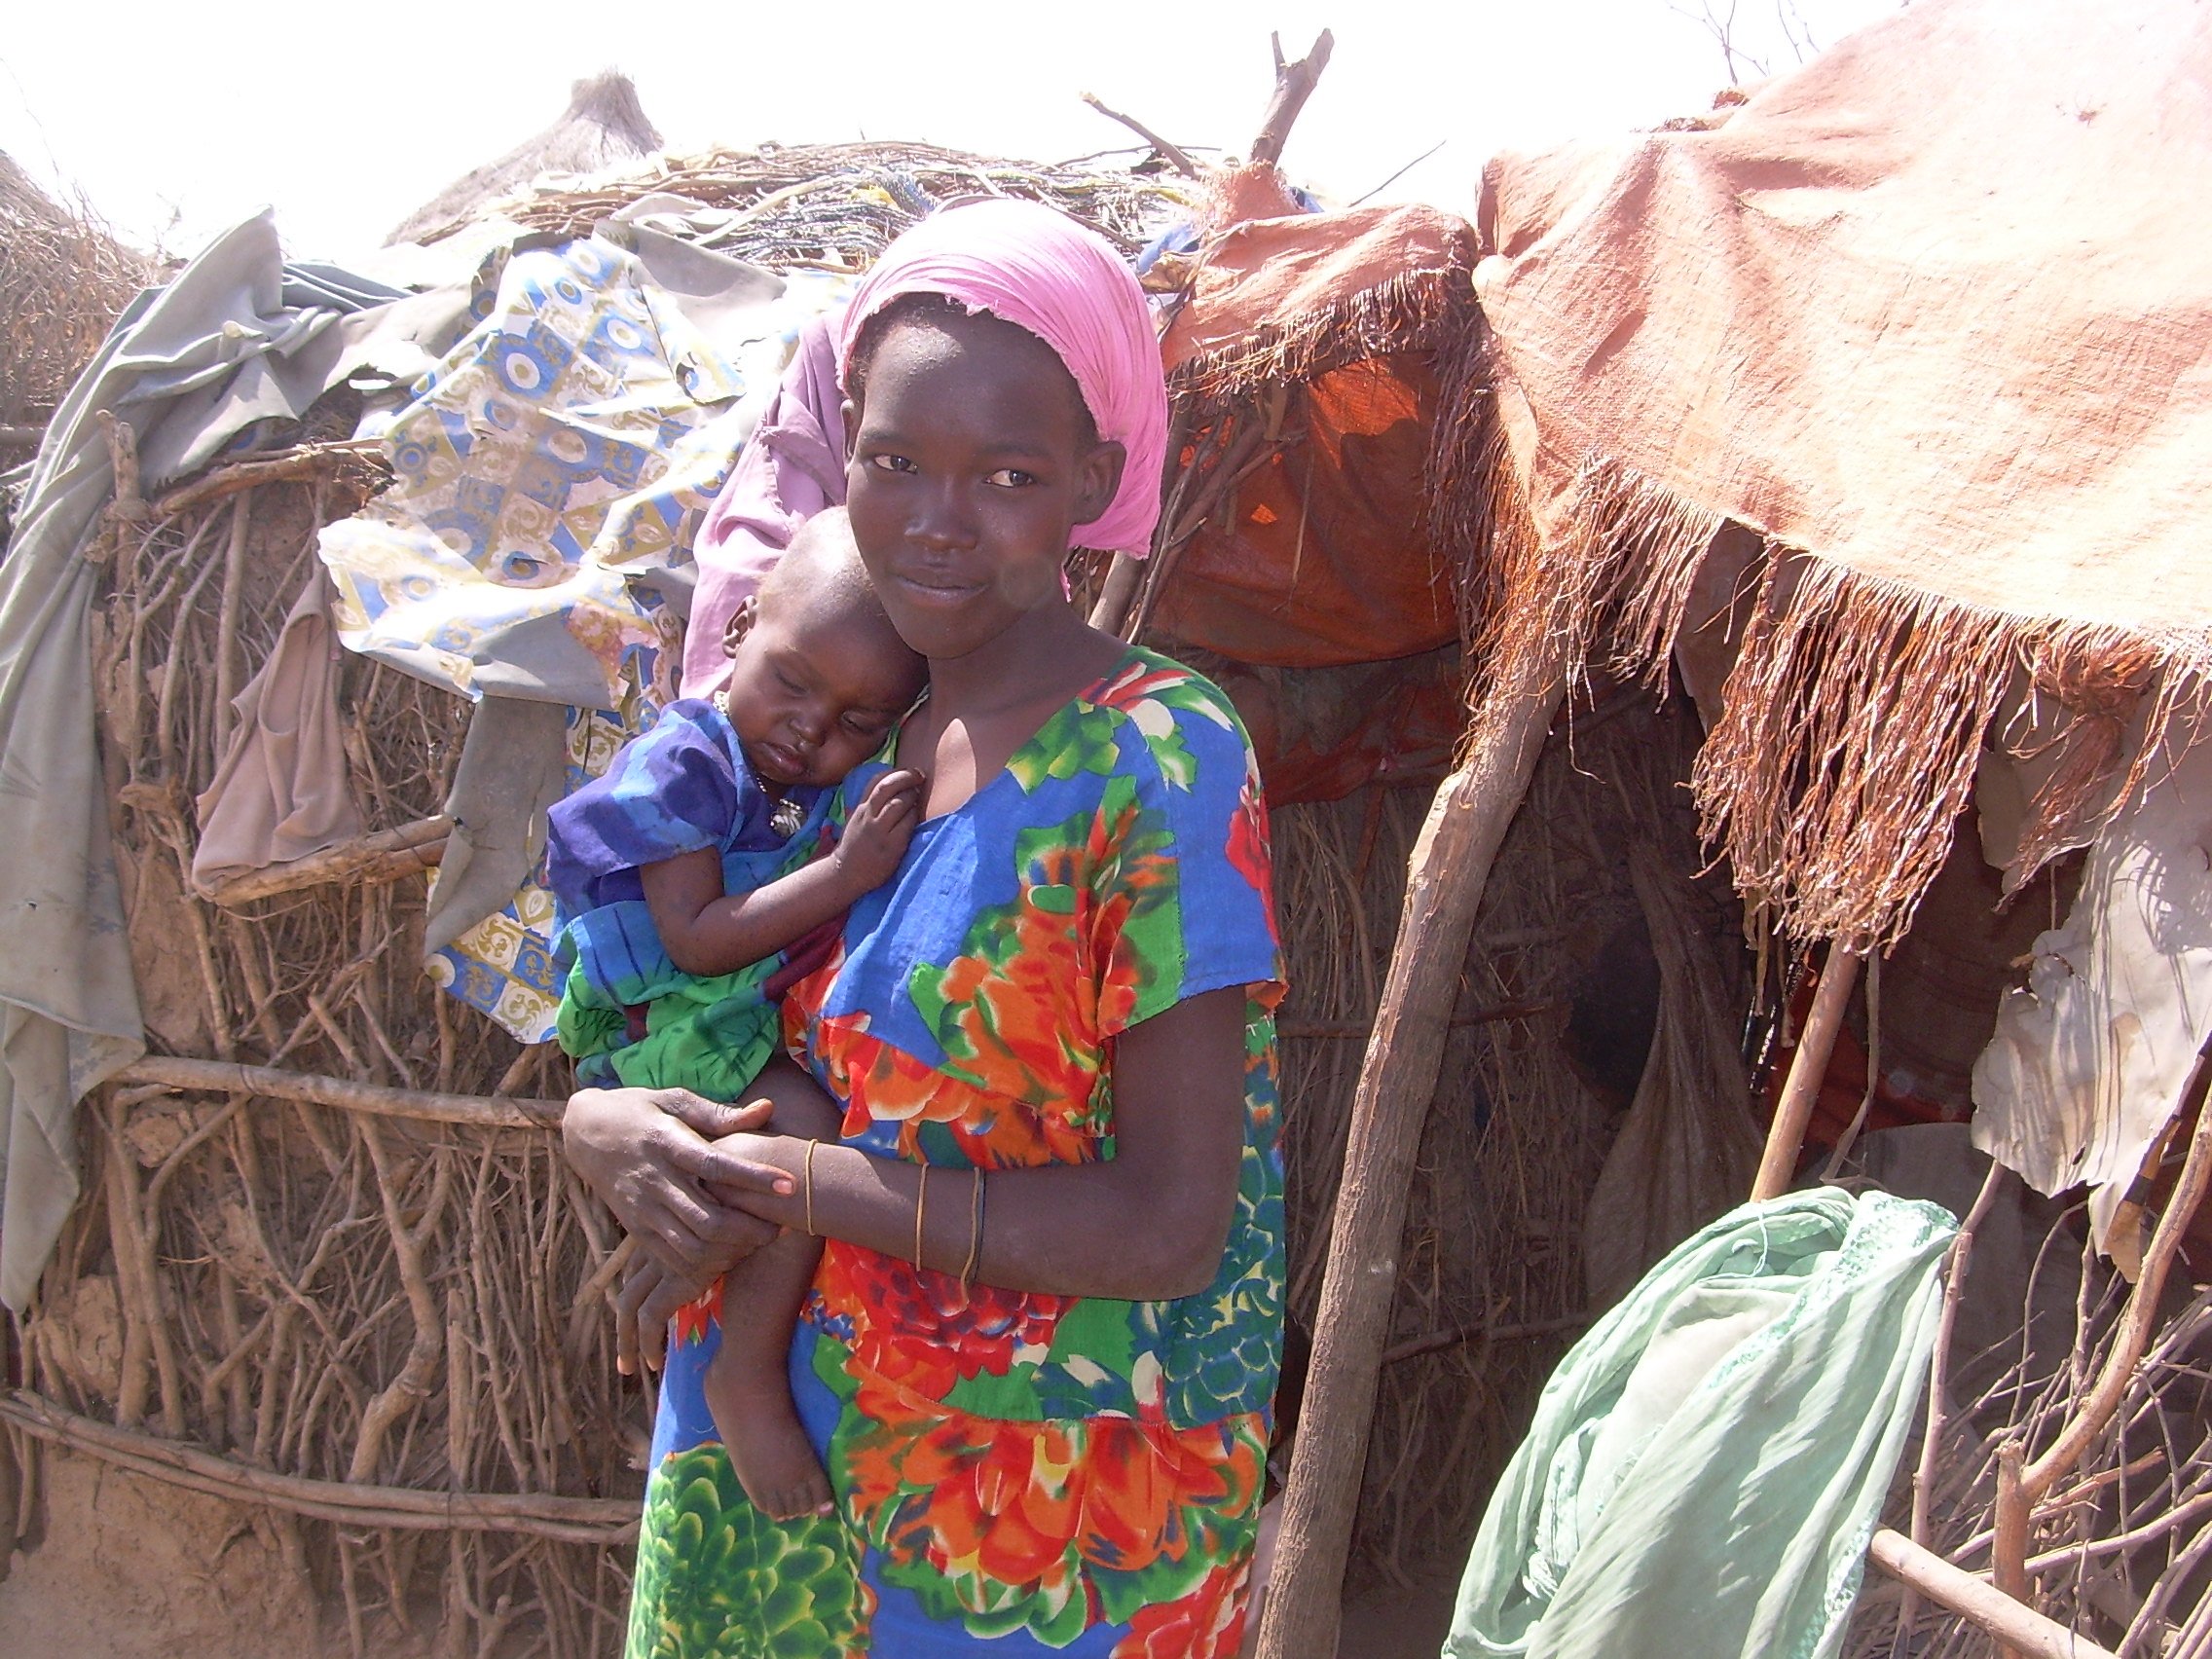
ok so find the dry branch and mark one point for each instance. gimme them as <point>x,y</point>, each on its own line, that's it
<point>308,461</point>
<point>2022,1627</point>
<point>390,855</point>
<point>572,1520</point>
<point>224,1076</point>
<point>2021,1485</point>
<point>129,505</point>
<point>1169,153</point>
<point>1293,84</point>
<point>1786,1137</point>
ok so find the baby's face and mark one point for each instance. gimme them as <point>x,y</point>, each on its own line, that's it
<point>811,698</point>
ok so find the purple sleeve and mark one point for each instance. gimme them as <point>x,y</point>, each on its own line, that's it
<point>675,789</point>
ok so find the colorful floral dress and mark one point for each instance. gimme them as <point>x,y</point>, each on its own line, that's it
<point>628,1014</point>
<point>1015,1473</point>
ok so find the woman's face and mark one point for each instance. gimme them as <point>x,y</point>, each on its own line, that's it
<point>971,463</point>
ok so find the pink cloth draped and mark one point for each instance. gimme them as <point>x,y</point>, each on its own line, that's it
<point>791,467</point>
<point>1038,269</point>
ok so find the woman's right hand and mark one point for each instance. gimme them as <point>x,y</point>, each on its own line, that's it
<point>645,1153</point>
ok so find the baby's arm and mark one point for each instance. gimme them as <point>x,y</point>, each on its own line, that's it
<point>707,931</point>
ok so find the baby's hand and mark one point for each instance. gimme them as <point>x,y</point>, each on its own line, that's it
<point>877,831</point>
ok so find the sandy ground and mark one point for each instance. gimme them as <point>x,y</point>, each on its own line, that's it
<point>120,1568</point>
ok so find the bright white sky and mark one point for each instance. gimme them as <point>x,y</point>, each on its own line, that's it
<point>177,120</point>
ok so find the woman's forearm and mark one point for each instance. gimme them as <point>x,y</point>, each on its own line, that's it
<point>1068,1230</point>
<point>1147,1224</point>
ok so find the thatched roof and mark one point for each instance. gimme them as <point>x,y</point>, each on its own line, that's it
<point>63,280</point>
<point>602,126</point>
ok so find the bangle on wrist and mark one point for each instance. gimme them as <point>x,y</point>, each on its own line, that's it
<point>974,1231</point>
<point>921,1211</point>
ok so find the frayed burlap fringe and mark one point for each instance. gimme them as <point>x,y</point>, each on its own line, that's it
<point>1858,709</point>
<point>1855,718</point>
<point>1458,498</point>
<point>1416,310</point>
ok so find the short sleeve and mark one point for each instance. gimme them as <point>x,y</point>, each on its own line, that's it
<point>1183,886</point>
<point>676,789</point>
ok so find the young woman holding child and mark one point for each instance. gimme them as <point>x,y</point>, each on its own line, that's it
<point>1039,1353</point>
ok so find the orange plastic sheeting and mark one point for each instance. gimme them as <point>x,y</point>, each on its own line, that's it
<point>1323,560</point>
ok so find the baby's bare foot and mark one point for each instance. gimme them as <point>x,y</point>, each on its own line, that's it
<point>768,1444</point>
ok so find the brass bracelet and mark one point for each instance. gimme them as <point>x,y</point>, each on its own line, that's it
<point>809,1185</point>
<point>975,1230</point>
<point>921,1209</point>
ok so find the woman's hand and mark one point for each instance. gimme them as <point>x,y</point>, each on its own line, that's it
<point>645,1153</point>
<point>642,1308</point>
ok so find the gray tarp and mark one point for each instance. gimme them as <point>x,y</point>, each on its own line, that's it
<point>233,339</point>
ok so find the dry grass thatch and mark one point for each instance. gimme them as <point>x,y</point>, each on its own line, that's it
<point>835,206</point>
<point>63,280</point>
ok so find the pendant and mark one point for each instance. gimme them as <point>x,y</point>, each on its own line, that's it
<point>785,817</point>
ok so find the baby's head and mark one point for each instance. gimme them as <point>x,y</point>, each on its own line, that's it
<point>818,675</point>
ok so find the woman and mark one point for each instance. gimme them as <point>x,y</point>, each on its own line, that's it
<point>1041,1381</point>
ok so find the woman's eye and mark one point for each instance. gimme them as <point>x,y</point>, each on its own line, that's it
<point>1012,478</point>
<point>890,464</point>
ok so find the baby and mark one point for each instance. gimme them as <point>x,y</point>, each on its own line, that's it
<point>691,880</point>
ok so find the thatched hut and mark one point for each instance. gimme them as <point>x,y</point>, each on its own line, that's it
<point>64,278</point>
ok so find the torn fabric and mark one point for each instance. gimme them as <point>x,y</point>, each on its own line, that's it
<point>2091,1062</point>
<point>282,789</point>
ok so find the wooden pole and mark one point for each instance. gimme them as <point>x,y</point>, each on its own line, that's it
<point>1786,1137</point>
<point>1293,84</point>
<point>1115,594</point>
<point>1449,867</point>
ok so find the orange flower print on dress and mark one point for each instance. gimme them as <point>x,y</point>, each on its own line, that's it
<point>883,1084</point>
<point>1050,1524</point>
<point>691,1320</point>
<point>1206,1624</point>
<point>926,1331</point>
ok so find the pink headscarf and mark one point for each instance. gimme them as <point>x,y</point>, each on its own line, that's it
<point>1038,269</point>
